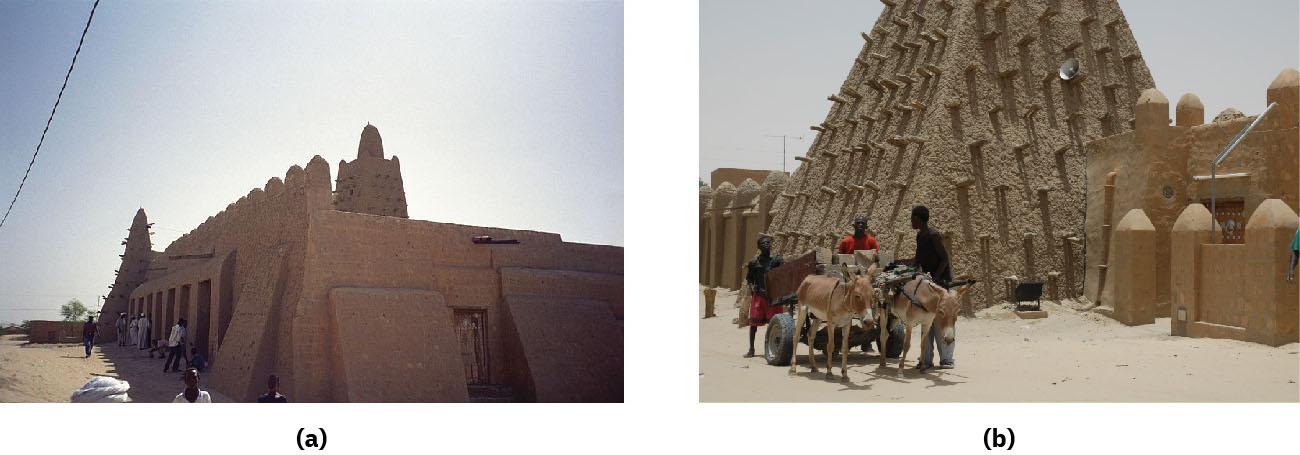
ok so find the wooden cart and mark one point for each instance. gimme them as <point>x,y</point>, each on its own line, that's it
<point>782,283</point>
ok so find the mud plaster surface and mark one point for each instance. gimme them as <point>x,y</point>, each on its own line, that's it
<point>958,106</point>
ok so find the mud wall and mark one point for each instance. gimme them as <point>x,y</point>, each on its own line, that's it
<point>1237,291</point>
<point>731,219</point>
<point>959,106</point>
<point>420,255</point>
<point>1161,169</point>
<point>263,234</point>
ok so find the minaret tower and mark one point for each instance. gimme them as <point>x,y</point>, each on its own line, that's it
<point>131,273</point>
<point>371,184</point>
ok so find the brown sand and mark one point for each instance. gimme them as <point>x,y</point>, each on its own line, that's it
<point>51,372</point>
<point>1070,356</point>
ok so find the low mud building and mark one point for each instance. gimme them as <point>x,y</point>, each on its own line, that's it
<point>335,290</point>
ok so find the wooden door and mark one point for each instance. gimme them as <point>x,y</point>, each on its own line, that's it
<point>1231,216</point>
<point>471,330</point>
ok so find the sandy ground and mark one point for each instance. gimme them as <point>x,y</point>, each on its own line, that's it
<point>51,372</point>
<point>1070,356</point>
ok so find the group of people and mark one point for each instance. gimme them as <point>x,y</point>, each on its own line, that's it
<point>192,393</point>
<point>931,257</point>
<point>134,331</point>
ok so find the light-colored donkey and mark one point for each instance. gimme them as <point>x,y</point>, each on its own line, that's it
<point>837,303</point>
<point>933,305</point>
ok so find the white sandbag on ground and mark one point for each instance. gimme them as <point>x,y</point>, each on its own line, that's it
<point>102,389</point>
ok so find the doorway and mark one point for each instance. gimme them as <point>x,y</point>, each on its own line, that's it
<point>1231,216</point>
<point>471,330</point>
<point>202,317</point>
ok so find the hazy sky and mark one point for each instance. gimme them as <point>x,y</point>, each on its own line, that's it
<point>505,114</point>
<point>766,66</point>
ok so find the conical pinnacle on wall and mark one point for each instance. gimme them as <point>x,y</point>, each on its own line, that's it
<point>138,248</point>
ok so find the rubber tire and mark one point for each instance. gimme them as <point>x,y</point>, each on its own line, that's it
<point>894,347</point>
<point>873,338</point>
<point>778,342</point>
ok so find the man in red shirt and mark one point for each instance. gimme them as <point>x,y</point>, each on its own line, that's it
<point>860,240</point>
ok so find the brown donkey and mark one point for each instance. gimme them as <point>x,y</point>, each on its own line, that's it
<point>836,303</point>
<point>921,301</point>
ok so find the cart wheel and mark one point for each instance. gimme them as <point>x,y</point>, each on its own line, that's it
<point>895,343</point>
<point>869,338</point>
<point>779,345</point>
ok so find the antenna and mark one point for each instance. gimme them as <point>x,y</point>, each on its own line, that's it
<point>1214,168</point>
<point>1069,69</point>
<point>783,139</point>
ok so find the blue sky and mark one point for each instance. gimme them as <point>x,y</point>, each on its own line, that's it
<point>766,66</point>
<point>504,113</point>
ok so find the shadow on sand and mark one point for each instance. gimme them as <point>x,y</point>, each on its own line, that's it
<point>870,365</point>
<point>149,384</point>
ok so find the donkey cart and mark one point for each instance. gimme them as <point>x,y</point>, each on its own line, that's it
<point>783,282</point>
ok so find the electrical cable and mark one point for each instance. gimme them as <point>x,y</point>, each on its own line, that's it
<point>51,118</point>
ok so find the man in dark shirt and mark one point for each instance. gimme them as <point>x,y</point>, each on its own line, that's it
<point>272,394</point>
<point>196,360</point>
<point>931,256</point>
<point>88,333</point>
<point>121,329</point>
<point>760,306</point>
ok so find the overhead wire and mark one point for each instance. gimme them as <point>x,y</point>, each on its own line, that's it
<point>50,120</point>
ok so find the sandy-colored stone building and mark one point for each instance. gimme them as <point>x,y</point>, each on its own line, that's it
<point>731,218</point>
<point>1158,176</point>
<point>736,176</point>
<point>960,106</point>
<point>346,299</point>
<point>371,184</point>
<point>56,331</point>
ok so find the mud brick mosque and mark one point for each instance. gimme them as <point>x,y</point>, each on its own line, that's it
<point>960,105</point>
<point>329,285</point>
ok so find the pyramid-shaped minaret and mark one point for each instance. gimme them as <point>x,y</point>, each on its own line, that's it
<point>960,106</point>
<point>371,184</point>
<point>135,262</point>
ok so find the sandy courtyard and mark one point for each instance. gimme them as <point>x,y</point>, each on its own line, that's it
<point>1070,356</point>
<point>36,373</point>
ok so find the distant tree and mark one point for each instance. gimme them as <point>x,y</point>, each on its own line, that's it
<point>73,310</point>
<point>701,182</point>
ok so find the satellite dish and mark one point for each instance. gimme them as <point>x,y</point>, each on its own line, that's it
<point>1069,69</point>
